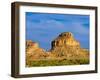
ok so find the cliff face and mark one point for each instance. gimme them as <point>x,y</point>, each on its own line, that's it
<point>31,46</point>
<point>65,39</point>
<point>64,46</point>
<point>33,51</point>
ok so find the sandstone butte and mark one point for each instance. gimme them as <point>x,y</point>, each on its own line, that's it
<point>64,46</point>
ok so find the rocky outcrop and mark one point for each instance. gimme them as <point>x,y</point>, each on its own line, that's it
<point>64,46</point>
<point>65,39</point>
<point>33,51</point>
<point>31,46</point>
<point>67,47</point>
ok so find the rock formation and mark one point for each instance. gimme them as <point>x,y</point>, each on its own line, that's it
<point>33,51</point>
<point>66,46</point>
<point>64,40</point>
<point>63,47</point>
<point>31,46</point>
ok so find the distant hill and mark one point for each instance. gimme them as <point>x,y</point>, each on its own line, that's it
<point>64,48</point>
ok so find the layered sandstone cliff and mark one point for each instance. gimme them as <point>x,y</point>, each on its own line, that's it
<point>64,40</point>
<point>67,47</point>
<point>63,47</point>
<point>33,51</point>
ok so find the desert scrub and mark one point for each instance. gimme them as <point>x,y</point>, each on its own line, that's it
<point>56,62</point>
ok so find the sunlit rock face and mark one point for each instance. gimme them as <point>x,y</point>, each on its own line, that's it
<point>31,46</point>
<point>65,46</point>
<point>64,40</point>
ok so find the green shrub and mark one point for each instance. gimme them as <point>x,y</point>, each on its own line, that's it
<point>57,62</point>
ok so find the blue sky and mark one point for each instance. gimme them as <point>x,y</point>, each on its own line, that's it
<point>45,27</point>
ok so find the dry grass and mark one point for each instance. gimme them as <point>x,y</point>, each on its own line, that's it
<point>56,62</point>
